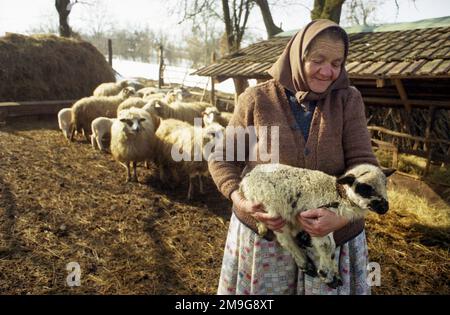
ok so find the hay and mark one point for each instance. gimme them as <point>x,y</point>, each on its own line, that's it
<point>48,67</point>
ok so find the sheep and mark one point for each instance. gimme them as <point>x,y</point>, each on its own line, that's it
<point>85,110</point>
<point>101,126</point>
<point>186,112</point>
<point>133,138</point>
<point>64,119</point>
<point>131,102</point>
<point>286,191</point>
<point>182,149</point>
<point>144,92</point>
<point>110,88</point>
<point>212,114</point>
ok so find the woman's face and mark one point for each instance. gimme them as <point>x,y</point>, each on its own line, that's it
<point>323,63</point>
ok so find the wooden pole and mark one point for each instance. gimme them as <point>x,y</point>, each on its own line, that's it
<point>428,130</point>
<point>161,67</point>
<point>110,52</point>
<point>213,91</point>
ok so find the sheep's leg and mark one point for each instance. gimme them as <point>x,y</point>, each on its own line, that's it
<point>72,134</point>
<point>191,187</point>
<point>200,183</point>
<point>99,139</point>
<point>135,179</point>
<point>93,142</point>
<point>86,136</point>
<point>324,251</point>
<point>127,166</point>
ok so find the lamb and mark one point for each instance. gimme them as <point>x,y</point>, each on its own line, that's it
<point>131,102</point>
<point>186,112</point>
<point>212,114</point>
<point>64,119</point>
<point>286,191</point>
<point>110,88</point>
<point>183,149</point>
<point>101,126</point>
<point>85,110</point>
<point>133,138</point>
<point>138,102</point>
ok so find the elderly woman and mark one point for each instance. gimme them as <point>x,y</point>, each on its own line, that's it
<point>322,126</point>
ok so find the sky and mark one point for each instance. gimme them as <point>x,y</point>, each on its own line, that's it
<point>21,16</point>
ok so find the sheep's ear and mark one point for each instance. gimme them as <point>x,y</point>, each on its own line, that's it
<point>388,171</point>
<point>346,180</point>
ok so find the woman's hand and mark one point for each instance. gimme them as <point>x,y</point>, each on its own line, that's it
<point>321,222</point>
<point>256,210</point>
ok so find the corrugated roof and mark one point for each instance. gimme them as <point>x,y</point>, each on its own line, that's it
<point>412,53</point>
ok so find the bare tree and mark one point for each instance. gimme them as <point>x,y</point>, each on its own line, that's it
<point>271,28</point>
<point>327,9</point>
<point>362,12</point>
<point>64,7</point>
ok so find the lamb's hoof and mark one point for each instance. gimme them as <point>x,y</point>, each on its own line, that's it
<point>337,282</point>
<point>310,269</point>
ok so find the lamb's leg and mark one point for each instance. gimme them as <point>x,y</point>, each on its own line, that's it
<point>324,249</point>
<point>86,136</point>
<point>287,241</point>
<point>72,134</point>
<point>127,166</point>
<point>99,141</point>
<point>134,179</point>
<point>93,142</point>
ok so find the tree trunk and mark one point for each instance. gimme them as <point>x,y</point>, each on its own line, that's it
<point>61,7</point>
<point>271,28</point>
<point>327,9</point>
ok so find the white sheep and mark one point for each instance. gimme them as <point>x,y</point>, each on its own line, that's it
<point>183,149</point>
<point>144,92</point>
<point>101,127</point>
<point>212,114</point>
<point>131,102</point>
<point>133,138</point>
<point>64,119</point>
<point>110,88</point>
<point>183,111</point>
<point>286,191</point>
<point>85,110</point>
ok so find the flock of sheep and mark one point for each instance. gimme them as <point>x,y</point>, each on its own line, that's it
<point>148,126</point>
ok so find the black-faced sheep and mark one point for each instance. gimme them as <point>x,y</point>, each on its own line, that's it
<point>87,109</point>
<point>286,191</point>
<point>110,88</point>
<point>133,138</point>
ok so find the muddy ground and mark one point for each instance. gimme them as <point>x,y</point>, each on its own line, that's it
<point>63,202</point>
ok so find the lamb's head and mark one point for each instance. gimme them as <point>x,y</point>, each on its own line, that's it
<point>211,135</point>
<point>154,107</point>
<point>365,186</point>
<point>210,115</point>
<point>137,120</point>
<point>127,92</point>
<point>123,83</point>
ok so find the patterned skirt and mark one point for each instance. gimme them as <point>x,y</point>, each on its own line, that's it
<point>252,265</point>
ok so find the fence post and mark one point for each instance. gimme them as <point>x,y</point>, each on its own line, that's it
<point>213,91</point>
<point>110,52</point>
<point>161,67</point>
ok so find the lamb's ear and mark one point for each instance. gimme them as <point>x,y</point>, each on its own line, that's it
<point>388,171</point>
<point>346,180</point>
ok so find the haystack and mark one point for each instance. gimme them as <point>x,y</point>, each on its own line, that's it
<point>48,67</point>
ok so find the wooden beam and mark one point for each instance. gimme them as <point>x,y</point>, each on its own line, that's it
<point>18,109</point>
<point>403,96</point>
<point>407,136</point>
<point>428,130</point>
<point>213,89</point>
<point>416,103</point>
<point>380,83</point>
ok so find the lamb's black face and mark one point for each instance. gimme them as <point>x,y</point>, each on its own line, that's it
<point>367,188</point>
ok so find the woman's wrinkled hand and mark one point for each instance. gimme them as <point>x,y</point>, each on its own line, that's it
<point>320,222</point>
<point>257,210</point>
